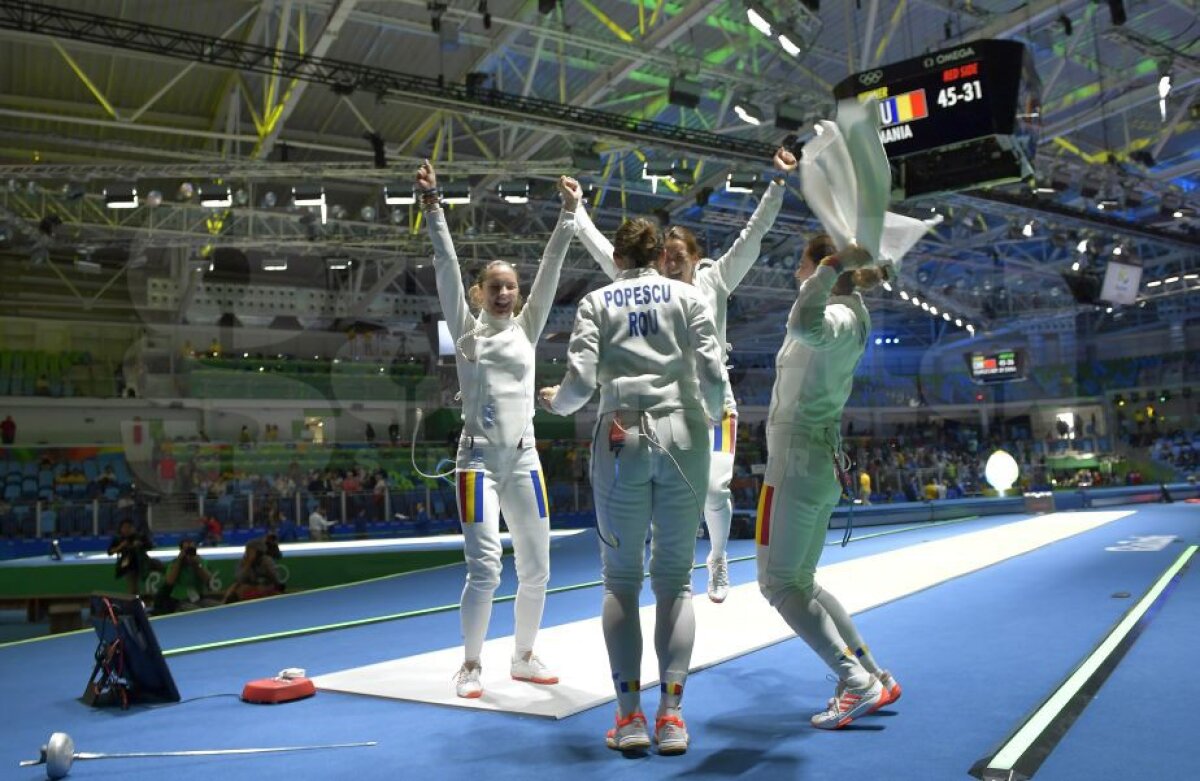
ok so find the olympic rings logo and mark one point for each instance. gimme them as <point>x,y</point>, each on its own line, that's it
<point>870,77</point>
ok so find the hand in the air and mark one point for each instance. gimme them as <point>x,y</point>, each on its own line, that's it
<point>426,178</point>
<point>784,160</point>
<point>546,397</point>
<point>853,257</point>
<point>570,192</point>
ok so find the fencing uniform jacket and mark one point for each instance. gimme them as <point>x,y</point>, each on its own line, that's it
<point>650,344</point>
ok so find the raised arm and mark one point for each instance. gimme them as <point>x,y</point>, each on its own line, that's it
<point>813,322</point>
<point>583,355</point>
<point>600,248</point>
<point>541,294</point>
<point>734,264</point>
<point>445,260</point>
<point>710,363</point>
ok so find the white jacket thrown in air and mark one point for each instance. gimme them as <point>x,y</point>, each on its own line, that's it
<point>495,356</point>
<point>650,343</point>
<point>814,369</point>
<point>715,280</point>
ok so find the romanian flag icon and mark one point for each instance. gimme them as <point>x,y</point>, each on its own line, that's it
<point>671,688</point>
<point>539,493</point>
<point>903,108</point>
<point>725,433</point>
<point>630,686</point>
<point>766,503</point>
<point>470,496</point>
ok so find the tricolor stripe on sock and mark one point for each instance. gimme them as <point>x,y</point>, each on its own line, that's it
<point>766,503</point>
<point>470,495</point>
<point>671,688</point>
<point>628,687</point>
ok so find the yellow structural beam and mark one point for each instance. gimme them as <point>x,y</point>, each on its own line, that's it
<point>92,88</point>
<point>607,21</point>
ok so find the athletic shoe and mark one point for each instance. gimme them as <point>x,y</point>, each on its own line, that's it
<point>890,686</point>
<point>718,578</point>
<point>849,704</point>
<point>630,733</point>
<point>670,733</point>
<point>532,670</point>
<point>466,682</point>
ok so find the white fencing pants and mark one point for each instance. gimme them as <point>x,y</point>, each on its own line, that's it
<point>639,488</point>
<point>718,505</point>
<point>799,492</point>
<point>492,480</point>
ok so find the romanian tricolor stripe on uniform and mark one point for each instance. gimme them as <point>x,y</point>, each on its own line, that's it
<point>725,433</point>
<point>903,108</point>
<point>539,492</point>
<point>627,687</point>
<point>470,496</point>
<point>671,688</point>
<point>766,503</point>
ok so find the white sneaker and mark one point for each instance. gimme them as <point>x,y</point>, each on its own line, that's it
<point>466,682</point>
<point>671,735</point>
<point>718,578</point>
<point>849,704</point>
<point>532,670</point>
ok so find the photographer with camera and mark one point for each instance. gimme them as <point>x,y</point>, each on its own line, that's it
<point>188,584</point>
<point>256,574</point>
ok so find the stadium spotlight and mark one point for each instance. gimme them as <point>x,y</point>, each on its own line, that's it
<point>121,196</point>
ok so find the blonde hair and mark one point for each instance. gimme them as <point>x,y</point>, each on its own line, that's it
<point>475,297</point>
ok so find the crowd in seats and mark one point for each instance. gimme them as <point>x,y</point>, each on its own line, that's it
<point>256,376</point>
<point>1178,449</point>
<point>57,374</point>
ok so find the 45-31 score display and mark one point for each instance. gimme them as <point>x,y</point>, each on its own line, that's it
<point>942,98</point>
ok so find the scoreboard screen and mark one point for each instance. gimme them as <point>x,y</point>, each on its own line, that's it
<point>979,89</point>
<point>996,366</point>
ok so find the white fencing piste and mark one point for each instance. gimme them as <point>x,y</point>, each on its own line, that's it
<point>744,623</point>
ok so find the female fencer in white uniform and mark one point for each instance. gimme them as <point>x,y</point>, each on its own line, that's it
<point>497,468</point>
<point>651,346</point>
<point>715,280</point>
<point>827,333</point>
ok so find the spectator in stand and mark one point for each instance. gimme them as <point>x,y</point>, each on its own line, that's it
<point>131,547</point>
<point>256,575</point>
<point>394,432</point>
<point>245,437</point>
<point>167,473</point>
<point>187,584</point>
<point>318,524</point>
<point>864,487</point>
<point>369,434</point>
<point>8,430</point>
<point>211,531</point>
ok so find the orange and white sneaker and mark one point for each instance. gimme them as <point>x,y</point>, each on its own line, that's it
<point>467,683</point>
<point>848,704</point>
<point>670,733</point>
<point>890,686</point>
<point>532,670</point>
<point>630,733</point>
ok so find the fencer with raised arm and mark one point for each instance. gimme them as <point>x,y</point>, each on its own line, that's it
<point>497,465</point>
<point>715,280</point>
<point>649,343</point>
<point>826,336</point>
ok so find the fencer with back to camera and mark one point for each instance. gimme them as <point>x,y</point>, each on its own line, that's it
<point>715,280</point>
<point>649,343</point>
<point>497,467</point>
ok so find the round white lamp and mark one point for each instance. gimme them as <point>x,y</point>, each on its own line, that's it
<point>1001,471</point>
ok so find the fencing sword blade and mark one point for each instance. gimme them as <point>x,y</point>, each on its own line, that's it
<point>213,752</point>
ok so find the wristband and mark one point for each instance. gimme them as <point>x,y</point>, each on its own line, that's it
<point>431,200</point>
